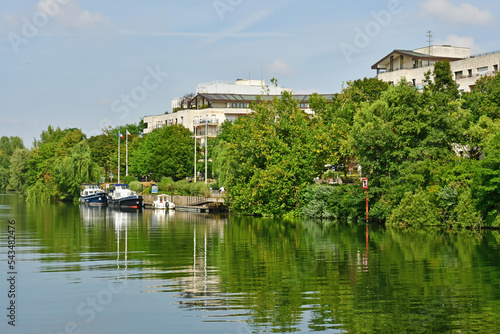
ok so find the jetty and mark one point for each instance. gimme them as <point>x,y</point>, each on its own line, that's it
<point>208,203</point>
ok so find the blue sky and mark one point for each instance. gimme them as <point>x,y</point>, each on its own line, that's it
<point>89,63</point>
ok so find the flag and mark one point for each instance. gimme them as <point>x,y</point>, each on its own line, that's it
<point>128,133</point>
<point>121,136</point>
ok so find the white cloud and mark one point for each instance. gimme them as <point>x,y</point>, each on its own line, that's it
<point>72,15</point>
<point>279,68</point>
<point>463,41</point>
<point>461,14</point>
<point>67,17</point>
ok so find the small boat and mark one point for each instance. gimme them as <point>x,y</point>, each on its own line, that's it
<point>123,197</point>
<point>162,203</point>
<point>92,194</point>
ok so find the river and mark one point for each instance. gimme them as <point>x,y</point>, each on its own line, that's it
<point>80,269</point>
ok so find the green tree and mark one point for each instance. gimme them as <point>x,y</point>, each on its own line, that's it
<point>342,111</point>
<point>20,170</point>
<point>44,179</point>
<point>443,81</point>
<point>267,158</point>
<point>75,168</point>
<point>484,100</point>
<point>165,152</point>
<point>102,150</point>
<point>7,147</point>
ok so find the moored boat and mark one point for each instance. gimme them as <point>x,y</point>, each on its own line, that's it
<point>92,194</point>
<point>162,203</point>
<point>123,197</point>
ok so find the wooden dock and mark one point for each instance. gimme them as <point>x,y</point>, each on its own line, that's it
<point>192,203</point>
<point>201,209</point>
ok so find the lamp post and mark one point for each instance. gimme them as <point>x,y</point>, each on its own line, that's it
<point>206,151</point>
<point>195,127</point>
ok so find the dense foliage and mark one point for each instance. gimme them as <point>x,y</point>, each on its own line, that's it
<point>165,152</point>
<point>269,157</point>
<point>8,146</point>
<point>61,160</point>
<point>432,157</point>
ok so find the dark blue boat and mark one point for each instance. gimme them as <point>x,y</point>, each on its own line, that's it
<point>123,197</point>
<point>92,194</point>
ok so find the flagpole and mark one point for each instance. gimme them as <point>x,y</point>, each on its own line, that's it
<point>206,151</point>
<point>118,156</point>
<point>126,153</point>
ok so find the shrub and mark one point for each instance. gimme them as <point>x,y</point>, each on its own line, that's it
<point>199,189</point>
<point>165,185</point>
<point>343,202</point>
<point>128,179</point>
<point>41,192</point>
<point>136,186</point>
<point>465,211</point>
<point>415,209</point>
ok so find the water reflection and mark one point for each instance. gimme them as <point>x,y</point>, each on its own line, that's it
<point>271,275</point>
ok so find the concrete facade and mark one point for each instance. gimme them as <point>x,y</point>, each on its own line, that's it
<point>412,65</point>
<point>217,102</point>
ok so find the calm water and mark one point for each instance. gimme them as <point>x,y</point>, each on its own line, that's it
<point>97,270</point>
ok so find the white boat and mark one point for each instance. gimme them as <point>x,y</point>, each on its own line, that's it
<point>162,203</point>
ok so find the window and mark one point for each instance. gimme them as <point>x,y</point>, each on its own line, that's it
<point>401,62</point>
<point>482,70</point>
<point>391,64</point>
<point>182,119</point>
<point>237,105</point>
<point>231,118</point>
<point>414,82</point>
<point>458,75</point>
<point>495,68</point>
<point>469,72</point>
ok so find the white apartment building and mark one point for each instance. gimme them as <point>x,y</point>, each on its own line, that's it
<point>413,64</point>
<point>219,101</point>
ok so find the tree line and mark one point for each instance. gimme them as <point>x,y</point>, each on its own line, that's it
<point>431,157</point>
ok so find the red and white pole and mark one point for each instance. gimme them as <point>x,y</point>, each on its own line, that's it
<point>365,186</point>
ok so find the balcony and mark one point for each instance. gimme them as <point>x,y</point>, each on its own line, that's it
<point>211,121</point>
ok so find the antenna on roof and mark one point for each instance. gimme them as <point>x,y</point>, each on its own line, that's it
<point>429,40</point>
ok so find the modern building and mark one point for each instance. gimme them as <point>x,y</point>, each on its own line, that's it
<point>413,64</point>
<point>217,102</point>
